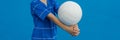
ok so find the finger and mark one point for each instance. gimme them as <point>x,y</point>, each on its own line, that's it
<point>77,34</point>
<point>76,29</point>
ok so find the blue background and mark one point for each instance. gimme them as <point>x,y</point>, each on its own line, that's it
<point>100,21</point>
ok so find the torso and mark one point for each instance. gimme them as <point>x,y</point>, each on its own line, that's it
<point>43,29</point>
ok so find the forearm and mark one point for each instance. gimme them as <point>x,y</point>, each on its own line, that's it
<point>69,29</point>
<point>56,21</point>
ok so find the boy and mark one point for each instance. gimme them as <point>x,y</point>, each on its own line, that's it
<point>45,21</point>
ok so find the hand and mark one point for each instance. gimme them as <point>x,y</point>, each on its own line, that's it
<point>76,30</point>
<point>73,30</point>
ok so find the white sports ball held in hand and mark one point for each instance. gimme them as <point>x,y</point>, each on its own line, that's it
<point>70,13</point>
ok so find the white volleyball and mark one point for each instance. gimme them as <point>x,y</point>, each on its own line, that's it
<point>70,13</point>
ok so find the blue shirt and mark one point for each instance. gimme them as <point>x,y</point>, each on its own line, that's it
<point>44,29</point>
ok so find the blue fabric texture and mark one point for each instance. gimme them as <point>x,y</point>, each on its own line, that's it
<point>44,28</point>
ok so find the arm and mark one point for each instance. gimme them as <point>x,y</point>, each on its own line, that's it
<point>61,25</point>
<point>56,21</point>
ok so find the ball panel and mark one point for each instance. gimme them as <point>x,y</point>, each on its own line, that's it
<point>70,13</point>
